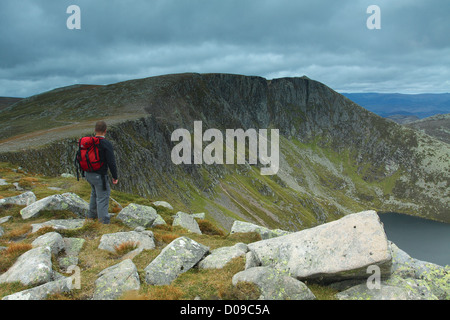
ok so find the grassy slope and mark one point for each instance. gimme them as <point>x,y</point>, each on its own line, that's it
<point>207,284</point>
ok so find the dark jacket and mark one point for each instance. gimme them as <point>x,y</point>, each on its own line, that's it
<point>106,152</point>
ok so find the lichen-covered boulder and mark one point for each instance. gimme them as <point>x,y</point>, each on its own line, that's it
<point>23,199</point>
<point>60,224</point>
<point>221,256</point>
<point>176,258</point>
<point>186,221</point>
<point>41,292</point>
<point>51,239</point>
<point>34,267</point>
<point>143,240</point>
<point>65,201</point>
<point>136,215</point>
<point>274,285</point>
<point>334,251</point>
<point>114,281</point>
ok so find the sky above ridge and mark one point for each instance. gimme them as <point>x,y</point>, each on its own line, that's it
<point>326,40</point>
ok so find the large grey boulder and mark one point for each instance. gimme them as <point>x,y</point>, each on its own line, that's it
<point>51,239</point>
<point>114,281</point>
<point>34,267</point>
<point>221,256</point>
<point>176,258</point>
<point>244,227</point>
<point>274,285</point>
<point>65,201</point>
<point>2,232</point>
<point>41,292</point>
<point>136,215</point>
<point>143,240</point>
<point>24,199</point>
<point>186,221</point>
<point>60,224</point>
<point>334,251</point>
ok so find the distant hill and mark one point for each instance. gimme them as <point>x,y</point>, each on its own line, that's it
<point>437,126</point>
<point>7,101</point>
<point>403,119</point>
<point>388,104</point>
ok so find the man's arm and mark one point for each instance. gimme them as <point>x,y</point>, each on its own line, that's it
<point>111,161</point>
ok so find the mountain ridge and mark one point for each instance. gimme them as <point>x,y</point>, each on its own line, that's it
<point>336,157</point>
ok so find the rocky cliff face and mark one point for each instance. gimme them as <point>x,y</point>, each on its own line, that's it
<point>336,157</point>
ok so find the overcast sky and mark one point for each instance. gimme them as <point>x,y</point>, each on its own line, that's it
<point>326,40</point>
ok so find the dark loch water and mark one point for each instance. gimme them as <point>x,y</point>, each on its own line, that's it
<point>422,239</point>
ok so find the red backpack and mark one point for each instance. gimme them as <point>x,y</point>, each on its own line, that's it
<point>88,158</point>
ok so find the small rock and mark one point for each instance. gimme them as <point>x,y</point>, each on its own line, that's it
<point>67,175</point>
<point>5,219</point>
<point>135,215</point>
<point>221,256</point>
<point>143,240</point>
<point>200,215</point>
<point>186,221</point>
<point>163,204</point>
<point>24,199</point>
<point>61,224</point>
<point>244,227</point>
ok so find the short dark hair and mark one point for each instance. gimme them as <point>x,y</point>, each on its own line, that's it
<point>100,126</point>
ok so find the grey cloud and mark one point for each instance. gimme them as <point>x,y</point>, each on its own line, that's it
<point>325,40</point>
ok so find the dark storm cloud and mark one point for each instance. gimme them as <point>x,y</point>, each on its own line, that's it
<point>325,40</point>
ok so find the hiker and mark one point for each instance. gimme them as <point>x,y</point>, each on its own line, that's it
<point>97,176</point>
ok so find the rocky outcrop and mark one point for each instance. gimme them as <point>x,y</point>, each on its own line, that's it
<point>178,257</point>
<point>333,251</point>
<point>65,201</point>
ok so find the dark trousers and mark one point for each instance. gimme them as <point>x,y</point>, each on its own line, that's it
<point>100,192</point>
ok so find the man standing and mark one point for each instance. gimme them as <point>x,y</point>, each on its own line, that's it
<point>100,189</point>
